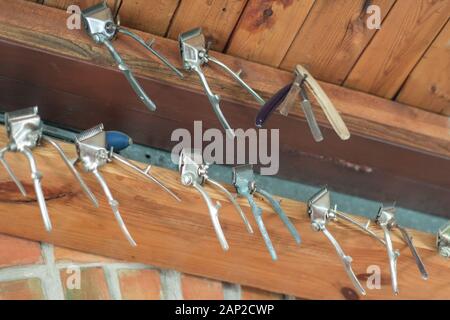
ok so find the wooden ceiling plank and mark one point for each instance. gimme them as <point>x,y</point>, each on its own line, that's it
<point>405,35</point>
<point>217,18</point>
<point>332,38</point>
<point>428,85</point>
<point>146,15</point>
<point>267,28</point>
<point>152,16</point>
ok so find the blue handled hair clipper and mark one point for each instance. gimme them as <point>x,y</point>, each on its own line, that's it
<point>95,148</point>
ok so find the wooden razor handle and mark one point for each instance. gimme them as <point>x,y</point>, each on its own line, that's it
<point>325,103</point>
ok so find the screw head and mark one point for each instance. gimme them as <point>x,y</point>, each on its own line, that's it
<point>186,180</point>
<point>315,226</point>
<point>110,27</point>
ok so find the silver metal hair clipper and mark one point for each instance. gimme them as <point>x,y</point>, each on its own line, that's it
<point>195,173</point>
<point>194,54</point>
<point>245,184</point>
<point>386,220</point>
<point>93,153</point>
<point>24,128</point>
<point>321,213</point>
<point>443,241</point>
<point>102,25</point>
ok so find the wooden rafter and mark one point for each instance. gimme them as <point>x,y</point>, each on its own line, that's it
<point>179,235</point>
<point>77,85</point>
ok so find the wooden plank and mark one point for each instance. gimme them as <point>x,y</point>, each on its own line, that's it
<point>180,236</point>
<point>216,17</point>
<point>152,16</point>
<point>428,85</point>
<point>267,28</point>
<point>404,37</point>
<point>67,74</point>
<point>332,38</point>
<point>367,114</point>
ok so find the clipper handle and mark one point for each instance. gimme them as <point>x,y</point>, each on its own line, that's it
<point>257,213</point>
<point>346,261</point>
<point>117,141</point>
<point>392,259</point>
<point>276,206</point>
<point>419,262</point>
<point>214,214</point>
<point>130,77</point>
<point>238,79</point>
<point>214,99</point>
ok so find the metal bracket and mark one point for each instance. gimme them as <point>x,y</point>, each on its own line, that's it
<point>245,184</point>
<point>194,54</point>
<point>386,220</point>
<point>321,213</point>
<point>286,97</point>
<point>195,173</point>
<point>443,241</point>
<point>93,153</point>
<point>24,129</point>
<point>102,25</point>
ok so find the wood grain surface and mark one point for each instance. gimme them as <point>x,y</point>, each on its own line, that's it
<point>217,18</point>
<point>333,37</point>
<point>180,235</point>
<point>428,85</point>
<point>404,37</point>
<point>267,28</point>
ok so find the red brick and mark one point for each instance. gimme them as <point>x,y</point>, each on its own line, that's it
<point>93,284</point>
<point>140,284</point>
<point>28,289</point>
<point>69,255</point>
<point>15,251</point>
<point>248,293</point>
<point>196,288</point>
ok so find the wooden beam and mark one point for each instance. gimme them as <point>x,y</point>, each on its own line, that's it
<point>67,75</point>
<point>180,236</point>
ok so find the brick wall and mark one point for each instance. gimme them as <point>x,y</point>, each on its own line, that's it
<point>33,270</point>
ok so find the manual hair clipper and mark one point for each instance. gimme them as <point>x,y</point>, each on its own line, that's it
<point>24,128</point>
<point>194,54</point>
<point>95,148</point>
<point>102,25</point>
<point>386,220</point>
<point>195,173</point>
<point>321,213</point>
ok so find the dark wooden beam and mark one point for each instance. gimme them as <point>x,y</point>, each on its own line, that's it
<point>396,152</point>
